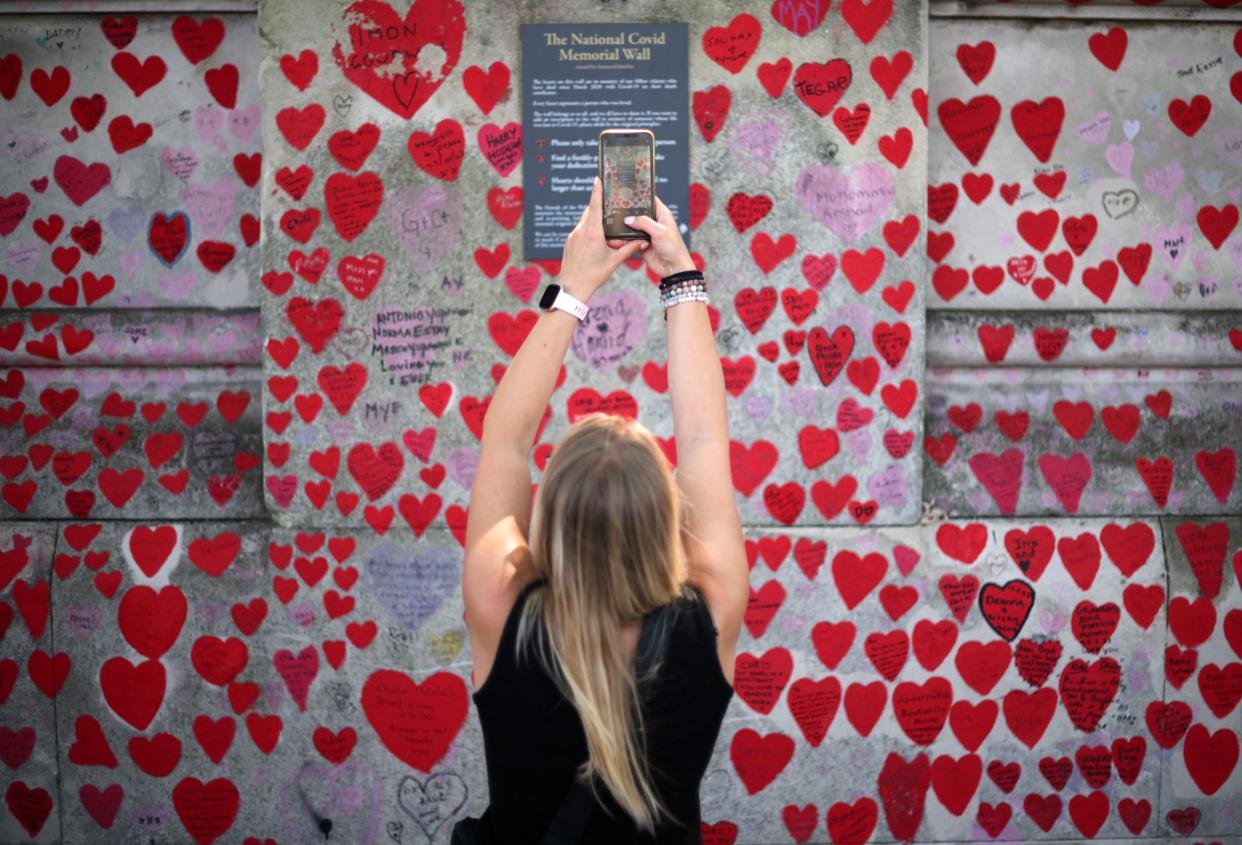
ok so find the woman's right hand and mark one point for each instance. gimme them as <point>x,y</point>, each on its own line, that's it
<point>667,253</point>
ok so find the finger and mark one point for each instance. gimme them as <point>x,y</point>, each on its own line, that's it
<point>594,210</point>
<point>663,214</point>
<point>594,201</point>
<point>626,252</point>
<point>643,223</point>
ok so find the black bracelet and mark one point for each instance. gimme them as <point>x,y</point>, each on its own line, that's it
<point>684,275</point>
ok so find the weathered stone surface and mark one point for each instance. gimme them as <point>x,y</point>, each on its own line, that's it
<point>1086,442</point>
<point>1143,340</point>
<point>413,352</point>
<point>1200,785</point>
<point>349,616</point>
<point>137,338</point>
<point>148,158</point>
<point>1079,173</point>
<point>29,677</point>
<point>132,443</point>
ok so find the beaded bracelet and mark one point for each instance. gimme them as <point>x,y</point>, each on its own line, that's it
<point>684,275</point>
<point>682,287</point>
<point>696,296</point>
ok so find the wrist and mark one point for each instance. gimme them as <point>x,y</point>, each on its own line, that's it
<point>578,290</point>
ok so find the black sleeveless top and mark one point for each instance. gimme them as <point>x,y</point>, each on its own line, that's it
<point>533,738</point>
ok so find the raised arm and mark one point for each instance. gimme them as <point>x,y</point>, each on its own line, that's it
<point>714,545</point>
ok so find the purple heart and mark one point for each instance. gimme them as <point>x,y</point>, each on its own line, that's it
<point>611,329</point>
<point>22,255</point>
<point>848,202</point>
<point>350,794</point>
<point>1096,129</point>
<point>759,407</point>
<point>411,588</point>
<point>427,225</point>
<point>759,137</point>
<point>462,463</point>
<point>340,431</point>
<point>125,223</point>
<point>302,614</point>
<point>801,401</point>
<point>83,620</point>
<point>150,818</point>
<point>211,208</point>
<point>889,486</point>
<point>209,612</point>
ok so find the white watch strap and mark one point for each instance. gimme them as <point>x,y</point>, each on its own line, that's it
<point>566,302</point>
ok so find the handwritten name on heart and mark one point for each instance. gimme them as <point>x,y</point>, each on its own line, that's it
<point>848,202</point>
<point>427,224</point>
<point>384,55</point>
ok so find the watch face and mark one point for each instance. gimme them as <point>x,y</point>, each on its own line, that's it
<point>549,296</point>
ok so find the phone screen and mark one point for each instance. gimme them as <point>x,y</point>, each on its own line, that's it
<point>627,172</point>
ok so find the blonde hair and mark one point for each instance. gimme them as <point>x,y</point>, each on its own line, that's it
<point>606,536</point>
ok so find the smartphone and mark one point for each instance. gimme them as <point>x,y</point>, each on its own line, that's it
<point>627,175</point>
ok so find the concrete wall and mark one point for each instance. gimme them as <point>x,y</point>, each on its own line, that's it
<point>229,575</point>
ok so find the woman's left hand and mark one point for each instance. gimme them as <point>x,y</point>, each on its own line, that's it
<point>588,261</point>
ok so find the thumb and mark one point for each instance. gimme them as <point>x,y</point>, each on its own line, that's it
<point>626,252</point>
<point>643,223</point>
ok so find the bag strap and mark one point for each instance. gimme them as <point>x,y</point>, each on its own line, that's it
<point>576,807</point>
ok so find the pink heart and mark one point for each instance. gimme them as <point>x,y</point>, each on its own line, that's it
<point>242,123</point>
<point>613,327</point>
<point>129,262</point>
<point>906,558</point>
<point>207,122</point>
<point>210,208</point>
<point>848,202</point>
<point>1120,157</point>
<point>859,444</point>
<point>502,147</point>
<point>1165,180</point>
<point>167,380</point>
<point>179,286</point>
<point>180,162</point>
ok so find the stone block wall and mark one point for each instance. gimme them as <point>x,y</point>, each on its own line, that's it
<point>986,434</point>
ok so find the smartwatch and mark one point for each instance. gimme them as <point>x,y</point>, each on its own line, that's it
<point>554,296</point>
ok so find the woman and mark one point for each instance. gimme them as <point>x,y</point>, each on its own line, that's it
<point>617,540</point>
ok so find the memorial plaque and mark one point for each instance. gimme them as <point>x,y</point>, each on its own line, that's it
<point>579,79</point>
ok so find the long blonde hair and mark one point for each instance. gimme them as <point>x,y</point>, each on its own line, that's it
<point>606,536</point>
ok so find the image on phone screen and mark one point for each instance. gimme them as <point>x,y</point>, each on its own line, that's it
<point>627,182</point>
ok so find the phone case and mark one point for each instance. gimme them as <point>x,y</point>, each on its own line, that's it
<point>616,207</point>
